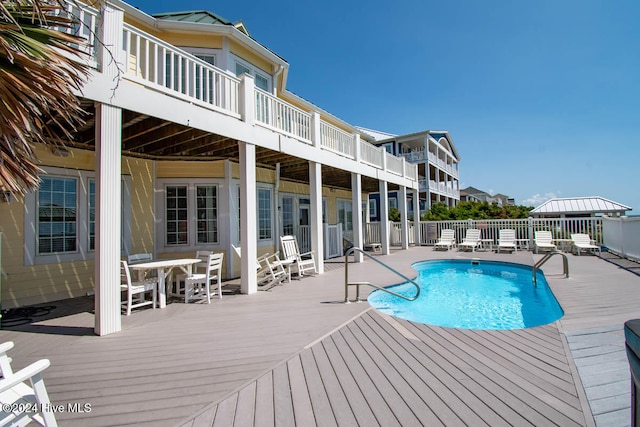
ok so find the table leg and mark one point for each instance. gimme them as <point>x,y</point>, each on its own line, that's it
<point>162,289</point>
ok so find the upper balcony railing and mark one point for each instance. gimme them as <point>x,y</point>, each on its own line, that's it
<point>394,164</point>
<point>421,156</point>
<point>371,154</point>
<point>157,64</point>
<point>283,117</point>
<point>336,140</point>
<point>160,66</point>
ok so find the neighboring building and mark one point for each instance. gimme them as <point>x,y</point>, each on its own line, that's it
<point>193,142</point>
<point>472,194</point>
<point>437,159</point>
<point>575,207</point>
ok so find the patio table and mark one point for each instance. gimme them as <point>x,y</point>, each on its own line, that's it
<point>164,267</point>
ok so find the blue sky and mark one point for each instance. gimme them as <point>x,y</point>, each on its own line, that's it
<point>541,98</point>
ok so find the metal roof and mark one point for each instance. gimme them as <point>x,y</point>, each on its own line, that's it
<point>578,205</point>
<point>201,16</point>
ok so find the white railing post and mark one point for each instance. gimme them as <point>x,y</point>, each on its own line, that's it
<point>356,147</point>
<point>111,30</point>
<point>247,99</point>
<point>530,228</point>
<point>316,134</point>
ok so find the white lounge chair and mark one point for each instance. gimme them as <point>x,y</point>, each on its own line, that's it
<point>471,240</point>
<point>543,240</point>
<point>507,240</point>
<point>137,291</point>
<point>198,285</point>
<point>583,242</point>
<point>23,391</point>
<point>303,262</point>
<point>270,269</point>
<point>447,240</point>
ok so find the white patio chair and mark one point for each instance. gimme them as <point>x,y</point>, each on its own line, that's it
<point>270,269</point>
<point>22,391</point>
<point>198,285</point>
<point>447,240</point>
<point>140,258</point>
<point>583,242</point>
<point>507,241</point>
<point>471,240</point>
<point>137,291</point>
<point>303,262</point>
<point>543,240</point>
<point>200,267</point>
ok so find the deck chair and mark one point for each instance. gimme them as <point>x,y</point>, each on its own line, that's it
<point>447,240</point>
<point>269,269</point>
<point>139,258</point>
<point>23,390</point>
<point>471,240</point>
<point>507,241</point>
<point>582,242</point>
<point>303,262</point>
<point>137,291</point>
<point>199,284</point>
<point>543,240</point>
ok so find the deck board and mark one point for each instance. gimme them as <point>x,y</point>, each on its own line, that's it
<point>296,356</point>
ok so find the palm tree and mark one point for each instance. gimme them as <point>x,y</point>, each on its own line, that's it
<point>41,65</point>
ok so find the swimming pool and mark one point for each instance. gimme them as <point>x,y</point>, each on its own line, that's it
<point>472,294</point>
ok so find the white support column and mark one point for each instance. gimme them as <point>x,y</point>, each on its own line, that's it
<point>384,217</point>
<point>416,216</point>
<point>317,239</point>
<point>356,202</point>
<point>404,222</point>
<point>248,223</point>
<point>108,220</point>
<point>229,217</point>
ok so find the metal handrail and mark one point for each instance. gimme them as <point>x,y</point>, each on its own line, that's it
<point>358,284</point>
<point>537,265</point>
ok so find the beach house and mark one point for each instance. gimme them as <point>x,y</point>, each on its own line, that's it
<point>193,142</point>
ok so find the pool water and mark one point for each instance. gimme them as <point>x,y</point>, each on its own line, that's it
<point>473,295</point>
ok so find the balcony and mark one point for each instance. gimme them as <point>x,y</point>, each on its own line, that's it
<point>149,63</point>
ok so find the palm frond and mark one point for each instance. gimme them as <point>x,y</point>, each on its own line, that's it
<point>42,66</point>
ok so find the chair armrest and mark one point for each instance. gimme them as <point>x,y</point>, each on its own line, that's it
<point>6,346</point>
<point>24,374</point>
<point>310,253</point>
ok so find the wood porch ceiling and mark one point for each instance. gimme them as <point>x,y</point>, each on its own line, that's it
<point>156,139</point>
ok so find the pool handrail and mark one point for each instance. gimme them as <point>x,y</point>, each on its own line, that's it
<point>358,284</point>
<point>537,265</point>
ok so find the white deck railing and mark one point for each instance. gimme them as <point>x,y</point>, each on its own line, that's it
<point>394,164</point>
<point>159,65</point>
<point>371,154</point>
<point>622,236</point>
<point>279,115</point>
<point>336,140</point>
<point>333,241</point>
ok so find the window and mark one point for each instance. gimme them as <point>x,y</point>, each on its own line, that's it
<point>189,212</point>
<point>176,221</point>
<point>393,203</point>
<point>206,214</point>
<point>92,214</point>
<point>287,216</point>
<point>373,209</point>
<point>345,214</point>
<point>60,217</point>
<point>261,81</point>
<point>264,214</point>
<point>57,215</point>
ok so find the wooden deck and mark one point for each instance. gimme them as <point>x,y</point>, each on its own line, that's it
<point>296,355</point>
